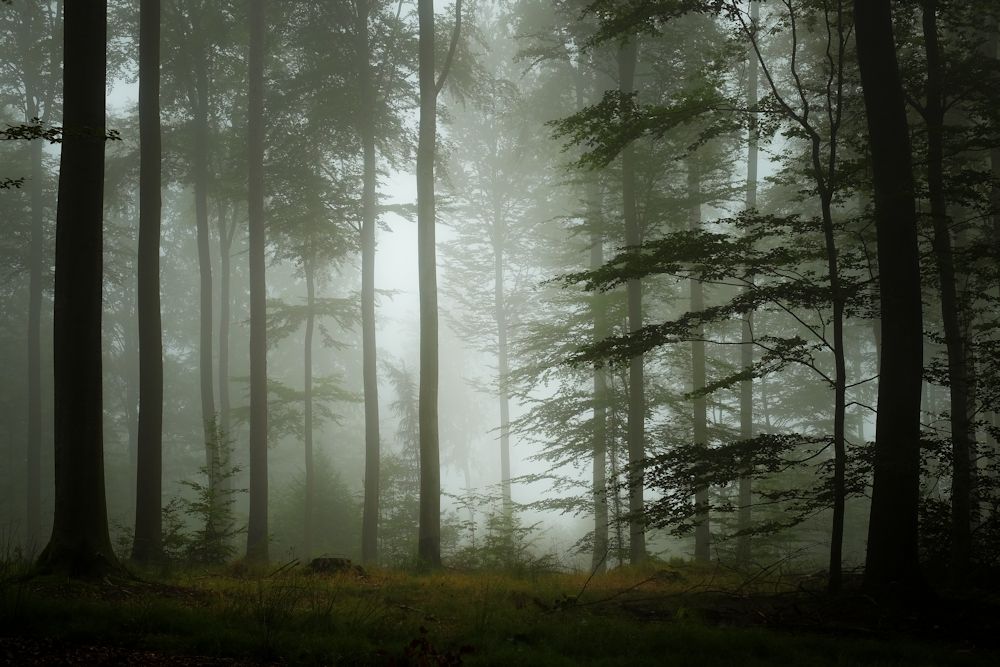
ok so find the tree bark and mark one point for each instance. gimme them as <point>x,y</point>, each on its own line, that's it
<point>369,524</point>
<point>599,480</point>
<point>744,516</point>
<point>80,544</point>
<point>429,537</point>
<point>702,531</point>
<point>147,544</point>
<point>201,175</point>
<point>636,384</point>
<point>892,559</point>
<point>34,453</point>
<point>951,315</point>
<point>307,411</point>
<point>503,363</point>
<point>257,535</point>
<point>226,232</point>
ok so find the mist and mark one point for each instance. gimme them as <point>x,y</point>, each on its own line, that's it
<point>569,303</point>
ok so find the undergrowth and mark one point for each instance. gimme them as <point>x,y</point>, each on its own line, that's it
<point>661,616</point>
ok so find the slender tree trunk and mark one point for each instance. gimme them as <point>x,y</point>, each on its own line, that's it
<point>34,457</point>
<point>951,316</point>
<point>744,517</point>
<point>80,544</point>
<point>147,545</point>
<point>839,392</point>
<point>308,409</point>
<point>637,392</point>
<point>201,176</point>
<point>702,531</point>
<point>429,537</point>
<point>503,364</point>
<point>257,535</point>
<point>226,232</point>
<point>369,524</point>
<point>600,432</point>
<point>892,529</point>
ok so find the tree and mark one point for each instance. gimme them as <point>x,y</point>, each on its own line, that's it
<point>892,528</point>
<point>257,535</point>
<point>147,545</point>
<point>80,544</point>
<point>366,128</point>
<point>429,538</point>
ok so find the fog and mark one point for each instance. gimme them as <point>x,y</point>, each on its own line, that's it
<point>657,283</point>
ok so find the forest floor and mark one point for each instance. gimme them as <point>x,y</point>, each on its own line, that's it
<point>671,616</point>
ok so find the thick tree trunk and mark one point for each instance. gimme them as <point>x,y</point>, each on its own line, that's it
<point>147,545</point>
<point>892,558</point>
<point>369,524</point>
<point>744,516</point>
<point>429,537</point>
<point>257,536</point>
<point>80,544</point>
<point>702,531</point>
<point>636,384</point>
<point>951,316</point>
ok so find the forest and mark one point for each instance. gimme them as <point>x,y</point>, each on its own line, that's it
<point>529,332</point>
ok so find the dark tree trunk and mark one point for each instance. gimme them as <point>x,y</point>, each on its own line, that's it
<point>80,544</point>
<point>429,537</point>
<point>257,536</point>
<point>702,531</point>
<point>369,524</point>
<point>951,316</point>
<point>147,545</point>
<point>892,558</point>
<point>636,383</point>
<point>744,517</point>
<point>34,457</point>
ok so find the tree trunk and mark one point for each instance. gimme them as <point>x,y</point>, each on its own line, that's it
<point>503,364</point>
<point>34,453</point>
<point>429,537</point>
<point>307,410</point>
<point>636,383</point>
<point>201,176</point>
<point>369,524</point>
<point>744,517</point>
<point>951,316</point>
<point>80,544</point>
<point>257,536</point>
<point>600,431</point>
<point>892,559</point>
<point>147,544</point>
<point>226,233</point>
<point>702,531</point>
<point>839,385</point>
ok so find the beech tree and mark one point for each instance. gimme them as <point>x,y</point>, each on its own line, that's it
<point>80,544</point>
<point>149,465</point>
<point>892,528</point>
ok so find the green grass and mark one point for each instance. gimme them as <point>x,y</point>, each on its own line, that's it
<point>623,618</point>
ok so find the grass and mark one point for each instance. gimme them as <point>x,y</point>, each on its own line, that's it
<point>627,617</point>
